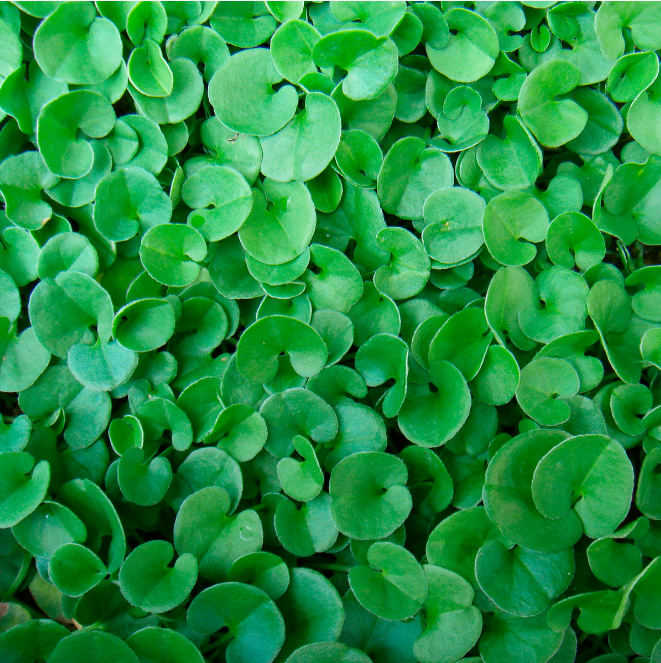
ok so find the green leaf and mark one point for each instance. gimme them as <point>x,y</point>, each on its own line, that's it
<point>312,609</point>
<point>508,497</point>
<point>22,177</point>
<point>171,253</point>
<point>359,158</point>
<point>181,103</point>
<point>256,624</point>
<point>281,223</point>
<point>411,172</point>
<point>335,283</point>
<point>62,310</point>
<point>144,324</point>
<point>149,72</point>
<point>95,645</point>
<point>553,122</point>
<point>455,542</point>
<point>128,201</point>
<point>15,435</point>
<point>498,378</point>
<point>408,271</point>
<point>310,139</point>
<point>220,199</point>
<point>513,163</point>
<point>649,484</point>
<point>463,341</point>
<point>240,431</point>
<point>102,366</point>
<point>100,518</point>
<point>264,570</point>
<point>393,586</point>
<point>268,337</point>
<point>510,638</point>
<point>453,220</point>
<point>380,639</point>
<point>293,412</point>
<point>369,483</point>
<point>21,492</point>
<point>374,313</point>
<point>301,480</point>
<point>370,364</point>
<point>23,360</point>
<point>74,45</point>
<point>327,652</point>
<point>47,528</point>
<point>370,61</point>
<point>612,20</point>
<point>306,530</point>
<point>147,581</point>
<point>203,529</point>
<point>522,582</point>
<point>543,387</point>
<point>163,645</point>
<point>143,481</point>
<point>291,48</point>
<point>75,569</point>
<point>452,624</point>
<point>576,466</point>
<point>258,110</point>
<point>31,640</point>
<point>65,127</point>
<point>574,238</point>
<point>433,412</point>
<point>245,25</point>
<point>510,218</point>
<point>471,50</point>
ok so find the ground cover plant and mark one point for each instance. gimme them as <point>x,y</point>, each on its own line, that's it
<point>330,332</point>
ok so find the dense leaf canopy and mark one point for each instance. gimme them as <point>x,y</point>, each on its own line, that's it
<point>330,332</point>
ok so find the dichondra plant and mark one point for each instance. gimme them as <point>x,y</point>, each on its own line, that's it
<point>330,332</point>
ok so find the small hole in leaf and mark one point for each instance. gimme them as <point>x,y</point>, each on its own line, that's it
<point>454,32</point>
<point>433,388</point>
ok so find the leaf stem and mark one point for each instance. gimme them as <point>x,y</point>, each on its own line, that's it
<point>323,566</point>
<point>217,643</point>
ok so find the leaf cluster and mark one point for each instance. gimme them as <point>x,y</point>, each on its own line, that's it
<point>330,332</point>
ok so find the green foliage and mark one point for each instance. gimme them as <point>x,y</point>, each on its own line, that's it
<point>330,332</point>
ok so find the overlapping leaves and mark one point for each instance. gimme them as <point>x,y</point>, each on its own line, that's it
<point>330,332</point>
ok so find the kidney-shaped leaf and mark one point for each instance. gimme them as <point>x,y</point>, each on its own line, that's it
<point>256,625</point>
<point>579,467</point>
<point>393,585</point>
<point>203,529</point>
<point>370,498</point>
<point>263,342</point>
<point>147,581</point>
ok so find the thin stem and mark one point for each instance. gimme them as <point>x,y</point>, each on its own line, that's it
<point>217,643</point>
<point>323,566</point>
